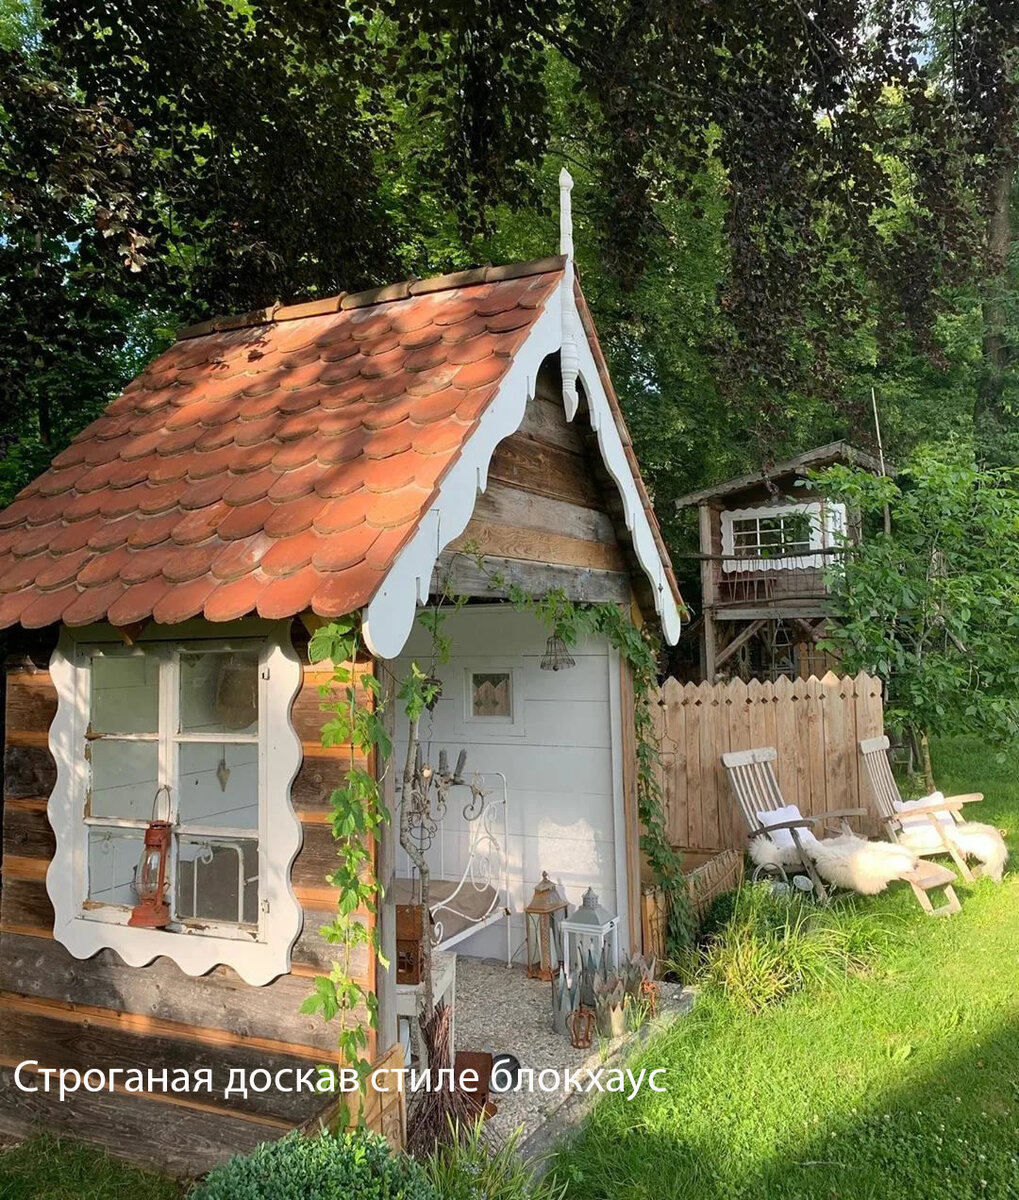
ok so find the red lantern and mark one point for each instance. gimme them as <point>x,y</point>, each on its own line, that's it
<point>152,911</point>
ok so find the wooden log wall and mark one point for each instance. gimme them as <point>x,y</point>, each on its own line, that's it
<point>545,520</point>
<point>815,725</point>
<point>101,1013</point>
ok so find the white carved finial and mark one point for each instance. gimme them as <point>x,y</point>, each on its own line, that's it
<point>565,213</point>
<point>569,360</point>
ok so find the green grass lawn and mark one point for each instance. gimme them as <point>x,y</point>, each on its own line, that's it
<point>904,1083</point>
<point>47,1169</point>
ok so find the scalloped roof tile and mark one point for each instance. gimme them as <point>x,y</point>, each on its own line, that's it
<point>270,462</point>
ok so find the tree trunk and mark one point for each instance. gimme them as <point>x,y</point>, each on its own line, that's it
<point>989,414</point>
<point>925,759</point>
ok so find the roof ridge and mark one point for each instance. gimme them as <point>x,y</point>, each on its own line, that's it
<point>379,295</point>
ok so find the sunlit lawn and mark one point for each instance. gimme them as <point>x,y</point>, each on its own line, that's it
<point>904,1084</point>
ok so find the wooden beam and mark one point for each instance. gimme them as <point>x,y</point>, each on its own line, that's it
<point>531,545</point>
<point>767,612</point>
<point>462,575</point>
<point>742,637</point>
<point>35,965</point>
<point>631,816</point>
<point>813,631</point>
<point>709,664</point>
<point>16,867</point>
<point>148,1026</point>
<point>28,737</point>
<point>503,505</point>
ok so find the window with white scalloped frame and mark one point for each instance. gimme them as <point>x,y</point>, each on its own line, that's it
<point>782,537</point>
<point>196,733</point>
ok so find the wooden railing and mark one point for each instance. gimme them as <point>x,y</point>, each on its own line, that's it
<point>814,724</point>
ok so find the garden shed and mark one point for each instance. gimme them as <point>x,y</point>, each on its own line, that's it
<point>357,454</point>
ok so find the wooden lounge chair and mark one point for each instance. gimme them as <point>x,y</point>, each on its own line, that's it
<point>755,788</point>
<point>889,802</point>
<point>752,780</point>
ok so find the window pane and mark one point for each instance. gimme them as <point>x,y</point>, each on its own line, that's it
<point>217,881</point>
<point>219,784</point>
<point>113,857</point>
<point>124,778</point>
<point>219,692</point>
<point>490,694</point>
<point>125,693</point>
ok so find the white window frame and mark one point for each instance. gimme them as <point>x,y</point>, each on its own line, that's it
<point>827,531</point>
<point>259,954</point>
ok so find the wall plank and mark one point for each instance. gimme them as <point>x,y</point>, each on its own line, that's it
<point>27,832</point>
<point>80,1044</point>
<point>181,1139</point>
<point>537,466</point>
<point>220,1000</point>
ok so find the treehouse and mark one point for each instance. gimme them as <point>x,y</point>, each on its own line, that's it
<point>767,543</point>
<point>167,818</point>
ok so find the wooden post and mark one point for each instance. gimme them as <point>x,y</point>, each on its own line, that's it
<point>707,590</point>
<point>631,817</point>
<point>385,978</point>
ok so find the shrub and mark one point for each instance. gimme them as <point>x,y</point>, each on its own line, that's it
<point>353,1166</point>
<point>773,945</point>
<point>467,1169</point>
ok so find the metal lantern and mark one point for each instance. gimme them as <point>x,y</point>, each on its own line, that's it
<point>557,657</point>
<point>543,916</point>
<point>581,1025</point>
<point>594,931</point>
<point>152,911</point>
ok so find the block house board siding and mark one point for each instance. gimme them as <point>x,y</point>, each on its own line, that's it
<point>560,755</point>
<point>99,1012</point>
<point>550,516</point>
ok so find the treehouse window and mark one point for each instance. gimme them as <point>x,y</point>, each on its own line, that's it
<point>780,537</point>
<point>195,734</point>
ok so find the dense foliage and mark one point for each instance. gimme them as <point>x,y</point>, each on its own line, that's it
<point>318,1168</point>
<point>779,208</point>
<point>932,606</point>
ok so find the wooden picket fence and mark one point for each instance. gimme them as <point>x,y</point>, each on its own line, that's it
<point>814,724</point>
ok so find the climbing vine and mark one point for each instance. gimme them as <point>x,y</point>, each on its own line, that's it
<point>355,700</point>
<point>357,812</point>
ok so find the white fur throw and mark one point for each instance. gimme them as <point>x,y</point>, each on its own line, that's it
<point>973,840</point>
<point>846,861</point>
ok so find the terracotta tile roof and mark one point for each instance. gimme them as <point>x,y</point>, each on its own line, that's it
<point>269,463</point>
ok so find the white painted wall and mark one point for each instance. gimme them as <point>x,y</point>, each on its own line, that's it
<point>565,778</point>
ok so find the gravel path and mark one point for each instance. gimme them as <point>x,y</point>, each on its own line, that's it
<point>500,1009</point>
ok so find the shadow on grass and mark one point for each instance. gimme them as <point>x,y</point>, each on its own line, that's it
<point>949,1132</point>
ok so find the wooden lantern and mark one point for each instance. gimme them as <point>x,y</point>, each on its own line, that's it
<point>542,917</point>
<point>152,911</point>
